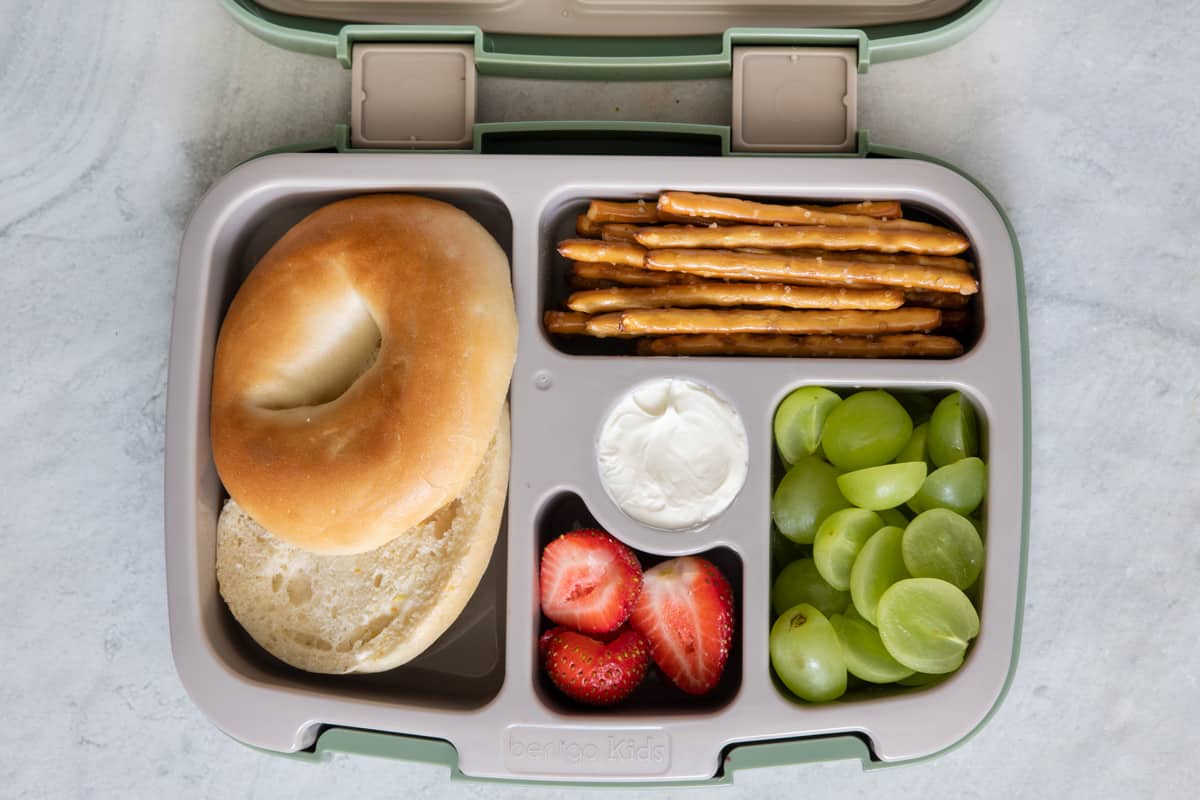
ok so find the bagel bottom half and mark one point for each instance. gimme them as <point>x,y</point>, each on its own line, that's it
<point>370,611</point>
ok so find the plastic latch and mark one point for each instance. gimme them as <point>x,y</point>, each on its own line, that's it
<point>412,96</point>
<point>795,99</point>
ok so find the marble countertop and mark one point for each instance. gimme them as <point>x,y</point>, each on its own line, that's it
<point>117,116</point>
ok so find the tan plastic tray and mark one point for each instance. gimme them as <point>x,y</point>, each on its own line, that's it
<point>479,687</point>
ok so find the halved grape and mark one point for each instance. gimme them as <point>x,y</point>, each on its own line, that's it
<point>893,516</point>
<point>942,544</point>
<point>865,430</point>
<point>865,655</point>
<point>879,564</point>
<point>958,487</point>
<point>840,537</point>
<point>953,430</point>
<point>926,623</point>
<point>887,486</point>
<point>800,582</point>
<point>806,654</point>
<point>917,446</point>
<point>799,420</point>
<point>807,495</point>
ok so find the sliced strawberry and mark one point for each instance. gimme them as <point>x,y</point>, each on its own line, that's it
<point>545,639</point>
<point>590,581</point>
<point>593,672</point>
<point>685,611</point>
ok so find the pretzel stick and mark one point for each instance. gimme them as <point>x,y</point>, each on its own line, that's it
<point>586,228</point>
<point>938,242</point>
<point>609,211</point>
<point>599,301</point>
<point>630,255</point>
<point>943,300</point>
<point>619,232</point>
<point>565,323</point>
<point>887,209</point>
<point>628,276</point>
<point>707,206</point>
<point>908,259</point>
<point>783,268</point>
<point>663,321</point>
<point>744,344</point>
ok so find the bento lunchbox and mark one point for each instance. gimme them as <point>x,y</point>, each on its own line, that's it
<point>476,701</point>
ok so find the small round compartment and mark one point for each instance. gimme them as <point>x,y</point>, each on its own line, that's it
<point>783,551</point>
<point>567,511</point>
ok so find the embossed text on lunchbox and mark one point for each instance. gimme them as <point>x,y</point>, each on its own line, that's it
<point>558,751</point>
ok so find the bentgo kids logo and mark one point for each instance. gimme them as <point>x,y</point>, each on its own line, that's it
<point>625,752</point>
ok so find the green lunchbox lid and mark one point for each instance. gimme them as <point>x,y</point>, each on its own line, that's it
<point>615,39</point>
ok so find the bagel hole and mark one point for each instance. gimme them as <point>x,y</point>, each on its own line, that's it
<point>339,345</point>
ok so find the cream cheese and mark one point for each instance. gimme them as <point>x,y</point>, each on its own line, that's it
<point>672,454</point>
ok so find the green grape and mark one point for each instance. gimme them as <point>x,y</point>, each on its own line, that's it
<point>942,544</point>
<point>840,537</point>
<point>807,495</point>
<point>865,655</point>
<point>893,516</point>
<point>799,420</point>
<point>865,430</point>
<point>917,446</point>
<point>852,613</point>
<point>800,582</point>
<point>806,654</point>
<point>953,430</point>
<point>958,487</point>
<point>926,623</point>
<point>877,488</point>
<point>879,564</point>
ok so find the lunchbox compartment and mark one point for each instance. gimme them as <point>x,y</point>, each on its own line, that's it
<point>464,668</point>
<point>559,222</point>
<point>567,511</point>
<point>783,551</point>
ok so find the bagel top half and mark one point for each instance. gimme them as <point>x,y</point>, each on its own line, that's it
<point>361,370</point>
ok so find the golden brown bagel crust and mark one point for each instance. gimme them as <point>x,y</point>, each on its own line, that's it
<point>327,456</point>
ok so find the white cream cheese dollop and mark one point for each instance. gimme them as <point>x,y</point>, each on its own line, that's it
<point>672,454</point>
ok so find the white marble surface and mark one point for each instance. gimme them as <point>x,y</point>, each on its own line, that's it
<point>117,115</point>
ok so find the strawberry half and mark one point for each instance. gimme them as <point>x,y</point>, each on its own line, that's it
<point>595,672</point>
<point>685,611</point>
<point>589,581</point>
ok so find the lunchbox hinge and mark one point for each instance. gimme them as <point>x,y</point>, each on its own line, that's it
<point>794,99</point>
<point>418,96</point>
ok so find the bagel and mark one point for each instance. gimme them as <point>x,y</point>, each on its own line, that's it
<point>360,371</point>
<point>367,612</point>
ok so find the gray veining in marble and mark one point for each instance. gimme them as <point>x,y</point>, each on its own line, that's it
<point>117,115</point>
